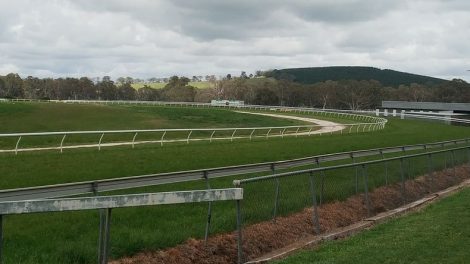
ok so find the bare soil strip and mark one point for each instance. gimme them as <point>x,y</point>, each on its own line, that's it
<point>265,237</point>
<point>327,126</point>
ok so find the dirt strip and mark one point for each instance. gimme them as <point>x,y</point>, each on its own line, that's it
<point>326,126</point>
<point>262,238</point>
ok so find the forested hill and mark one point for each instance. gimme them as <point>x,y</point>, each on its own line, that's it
<point>336,73</point>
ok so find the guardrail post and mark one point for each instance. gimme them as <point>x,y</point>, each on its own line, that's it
<point>357,173</point>
<point>468,154</point>
<point>402,174</point>
<point>445,160</point>
<point>322,180</point>
<point>276,197</point>
<point>452,157</point>
<point>1,239</point>
<point>106,232</point>
<point>209,210</point>
<point>316,223</point>
<point>430,172</point>
<point>386,167</point>
<point>239,234</point>
<point>366,188</point>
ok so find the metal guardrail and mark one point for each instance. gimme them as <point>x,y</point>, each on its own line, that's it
<point>303,188</point>
<point>106,203</point>
<point>342,166</point>
<point>77,188</point>
<point>370,123</point>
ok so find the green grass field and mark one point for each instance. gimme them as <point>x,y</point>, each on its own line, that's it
<point>72,237</point>
<point>438,234</point>
<point>39,117</point>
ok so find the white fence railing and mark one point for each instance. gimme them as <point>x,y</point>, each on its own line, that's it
<point>59,140</point>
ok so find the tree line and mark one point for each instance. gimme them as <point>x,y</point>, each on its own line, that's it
<point>343,94</point>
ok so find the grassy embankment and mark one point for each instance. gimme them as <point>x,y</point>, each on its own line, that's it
<point>438,234</point>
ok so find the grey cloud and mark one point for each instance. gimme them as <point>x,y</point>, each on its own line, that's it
<point>145,38</point>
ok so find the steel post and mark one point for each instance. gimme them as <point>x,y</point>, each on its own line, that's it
<point>386,167</point>
<point>1,239</point>
<point>276,197</point>
<point>107,227</point>
<point>209,210</point>
<point>366,188</point>
<point>430,168</point>
<point>322,181</point>
<point>316,222</point>
<point>239,234</point>
<point>357,174</point>
<point>402,174</point>
<point>452,157</point>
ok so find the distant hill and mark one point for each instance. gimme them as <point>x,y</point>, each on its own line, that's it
<point>336,73</point>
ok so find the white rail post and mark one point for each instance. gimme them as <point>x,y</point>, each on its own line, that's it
<point>62,142</point>
<point>252,133</point>
<point>310,131</point>
<point>282,133</point>
<point>350,128</point>
<point>161,140</point>
<point>99,143</point>
<point>16,147</point>
<point>189,135</point>
<point>133,139</point>
<point>231,139</point>
<point>297,132</point>
<point>267,134</point>
<point>213,132</point>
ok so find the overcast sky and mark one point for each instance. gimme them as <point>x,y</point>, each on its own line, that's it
<point>149,38</point>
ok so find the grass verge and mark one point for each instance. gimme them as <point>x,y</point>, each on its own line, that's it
<point>438,234</point>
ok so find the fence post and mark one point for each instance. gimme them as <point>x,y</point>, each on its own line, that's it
<point>322,180</point>
<point>1,239</point>
<point>316,223</point>
<point>386,167</point>
<point>104,235</point>
<point>276,197</point>
<point>402,174</point>
<point>468,154</point>
<point>452,157</point>
<point>239,235</point>
<point>366,188</point>
<point>209,210</point>
<point>357,173</point>
<point>430,172</point>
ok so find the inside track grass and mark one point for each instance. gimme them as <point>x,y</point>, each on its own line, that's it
<point>44,117</point>
<point>438,234</point>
